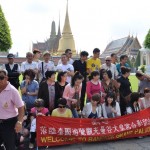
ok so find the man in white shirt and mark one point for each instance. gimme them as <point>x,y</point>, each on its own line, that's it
<point>110,66</point>
<point>69,57</point>
<point>29,63</point>
<point>36,55</point>
<point>64,66</point>
<point>36,58</point>
<point>46,65</point>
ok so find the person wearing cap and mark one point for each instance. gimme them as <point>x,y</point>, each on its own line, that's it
<point>29,63</point>
<point>11,112</point>
<point>45,65</point>
<point>69,57</point>
<point>110,66</point>
<point>13,70</point>
<point>62,110</point>
<point>94,63</point>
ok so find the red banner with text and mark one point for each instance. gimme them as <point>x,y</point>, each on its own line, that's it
<point>53,131</point>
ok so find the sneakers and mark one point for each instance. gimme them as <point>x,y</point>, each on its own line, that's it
<point>31,145</point>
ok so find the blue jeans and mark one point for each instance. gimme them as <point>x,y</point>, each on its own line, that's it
<point>74,112</point>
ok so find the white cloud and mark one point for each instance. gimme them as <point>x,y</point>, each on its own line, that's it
<point>94,23</point>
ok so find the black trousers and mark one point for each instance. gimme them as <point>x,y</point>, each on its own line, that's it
<point>7,133</point>
<point>83,95</point>
<point>33,136</point>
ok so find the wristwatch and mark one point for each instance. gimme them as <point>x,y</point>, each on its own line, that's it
<point>19,122</point>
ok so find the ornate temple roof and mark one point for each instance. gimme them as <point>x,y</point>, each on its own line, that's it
<point>127,45</point>
<point>51,43</point>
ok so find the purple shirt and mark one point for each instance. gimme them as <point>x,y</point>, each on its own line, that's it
<point>10,100</point>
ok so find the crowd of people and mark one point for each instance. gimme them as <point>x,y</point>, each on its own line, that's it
<point>82,88</point>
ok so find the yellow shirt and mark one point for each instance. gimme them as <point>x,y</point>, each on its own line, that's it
<point>67,113</point>
<point>93,64</point>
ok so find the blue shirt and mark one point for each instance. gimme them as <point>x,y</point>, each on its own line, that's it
<point>118,66</point>
<point>28,99</point>
<point>92,115</point>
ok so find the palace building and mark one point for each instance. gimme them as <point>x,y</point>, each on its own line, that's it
<point>128,45</point>
<point>57,43</point>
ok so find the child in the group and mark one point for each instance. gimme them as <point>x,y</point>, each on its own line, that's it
<point>93,109</point>
<point>62,111</point>
<point>144,102</point>
<point>20,137</point>
<point>133,105</point>
<point>37,110</point>
<point>111,108</point>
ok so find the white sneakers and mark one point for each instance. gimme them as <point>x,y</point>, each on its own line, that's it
<point>31,145</point>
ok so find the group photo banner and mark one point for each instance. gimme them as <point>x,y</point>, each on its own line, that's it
<point>54,131</point>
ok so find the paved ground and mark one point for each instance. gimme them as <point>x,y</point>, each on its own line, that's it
<point>128,144</point>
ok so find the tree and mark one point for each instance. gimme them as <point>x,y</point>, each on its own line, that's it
<point>129,63</point>
<point>5,37</point>
<point>147,40</point>
<point>137,61</point>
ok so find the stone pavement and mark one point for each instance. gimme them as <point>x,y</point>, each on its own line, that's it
<point>127,144</point>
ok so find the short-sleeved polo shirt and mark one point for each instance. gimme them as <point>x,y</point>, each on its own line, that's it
<point>10,100</point>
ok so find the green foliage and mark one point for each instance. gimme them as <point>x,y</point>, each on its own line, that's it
<point>137,61</point>
<point>142,68</point>
<point>147,40</point>
<point>134,83</point>
<point>129,62</point>
<point>5,37</point>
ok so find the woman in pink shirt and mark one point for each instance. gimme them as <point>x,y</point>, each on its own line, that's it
<point>144,102</point>
<point>94,86</point>
<point>72,93</point>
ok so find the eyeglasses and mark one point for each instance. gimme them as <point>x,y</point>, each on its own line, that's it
<point>61,106</point>
<point>2,77</point>
<point>108,60</point>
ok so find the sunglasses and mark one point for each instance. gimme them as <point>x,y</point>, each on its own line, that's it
<point>61,106</point>
<point>108,60</point>
<point>2,77</point>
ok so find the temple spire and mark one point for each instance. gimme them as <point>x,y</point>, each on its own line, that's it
<point>53,30</point>
<point>67,28</point>
<point>67,40</point>
<point>58,33</point>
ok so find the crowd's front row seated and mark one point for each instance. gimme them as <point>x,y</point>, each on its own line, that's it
<point>93,109</point>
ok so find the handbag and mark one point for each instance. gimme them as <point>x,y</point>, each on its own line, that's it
<point>127,98</point>
<point>76,105</point>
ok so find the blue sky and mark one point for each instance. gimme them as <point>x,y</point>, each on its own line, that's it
<point>94,23</point>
